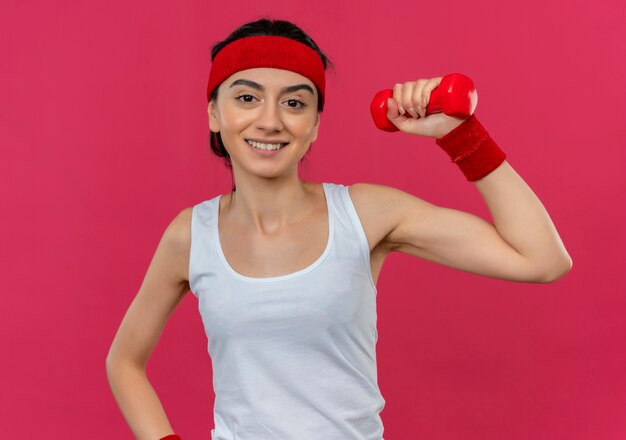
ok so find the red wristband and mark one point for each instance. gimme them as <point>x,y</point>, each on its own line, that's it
<point>171,437</point>
<point>470,146</point>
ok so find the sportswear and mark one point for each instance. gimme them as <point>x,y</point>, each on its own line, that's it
<point>293,356</point>
<point>470,146</point>
<point>267,51</point>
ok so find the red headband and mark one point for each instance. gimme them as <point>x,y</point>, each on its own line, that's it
<point>267,51</point>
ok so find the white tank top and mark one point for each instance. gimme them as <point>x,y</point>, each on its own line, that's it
<point>293,356</point>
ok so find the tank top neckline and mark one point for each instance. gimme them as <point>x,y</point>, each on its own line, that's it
<point>316,263</point>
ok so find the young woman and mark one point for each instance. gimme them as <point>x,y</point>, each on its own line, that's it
<point>285,270</point>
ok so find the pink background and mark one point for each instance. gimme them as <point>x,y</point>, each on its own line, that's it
<point>103,131</point>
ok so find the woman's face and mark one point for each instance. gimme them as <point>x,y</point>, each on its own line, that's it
<point>265,104</point>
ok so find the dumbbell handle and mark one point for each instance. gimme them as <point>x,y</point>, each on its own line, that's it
<point>456,96</point>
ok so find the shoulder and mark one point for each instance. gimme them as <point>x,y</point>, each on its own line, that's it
<point>369,191</point>
<point>382,197</point>
<point>177,237</point>
<point>179,227</point>
<point>383,209</point>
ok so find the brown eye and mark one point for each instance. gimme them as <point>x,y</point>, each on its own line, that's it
<point>299,104</point>
<point>245,95</point>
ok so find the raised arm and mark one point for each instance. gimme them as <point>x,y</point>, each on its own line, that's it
<point>163,287</point>
<point>522,244</point>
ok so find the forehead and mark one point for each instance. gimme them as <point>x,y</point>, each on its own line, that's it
<point>269,77</point>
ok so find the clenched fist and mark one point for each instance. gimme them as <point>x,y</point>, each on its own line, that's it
<point>407,109</point>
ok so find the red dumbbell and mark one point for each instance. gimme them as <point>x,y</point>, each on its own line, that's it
<point>455,96</point>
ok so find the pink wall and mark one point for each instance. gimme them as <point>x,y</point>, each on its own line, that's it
<point>104,139</point>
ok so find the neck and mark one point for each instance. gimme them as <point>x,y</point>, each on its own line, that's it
<point>270,205</point>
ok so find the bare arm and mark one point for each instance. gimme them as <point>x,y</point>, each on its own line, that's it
<point>522,244</point>
<point>163,287</point>
<point>522,221</point>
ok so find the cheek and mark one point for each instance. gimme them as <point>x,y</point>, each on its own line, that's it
<point>234,120</point>
<point>301,126</point>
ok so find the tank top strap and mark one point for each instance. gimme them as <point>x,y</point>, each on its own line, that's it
<point>202,250</point>
<point>351,237</point>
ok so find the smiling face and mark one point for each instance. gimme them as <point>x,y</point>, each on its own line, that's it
<point>265,105</point>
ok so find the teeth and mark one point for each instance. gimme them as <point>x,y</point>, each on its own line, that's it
<point>261,146</point>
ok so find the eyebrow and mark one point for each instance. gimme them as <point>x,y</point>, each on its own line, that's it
<point>255,85</point>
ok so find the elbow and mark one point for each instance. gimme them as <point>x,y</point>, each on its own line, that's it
<point>113,363</point>
<point>109,370</point>
<point>110,365</point>
<point>111,359</point>
<point>116,368</point>
<point>557,272</point>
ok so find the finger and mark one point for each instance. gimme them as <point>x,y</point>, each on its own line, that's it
<point>392,109</point>
<point>397,96</point>
<point>416,98</point>
<point>407,98</point>
<point>431,85</point>
<point>393,113</point>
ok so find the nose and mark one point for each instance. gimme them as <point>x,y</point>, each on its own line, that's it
<point>270,117</point>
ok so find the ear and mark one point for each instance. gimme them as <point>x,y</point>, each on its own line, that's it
<point>316,127</point>
<point>214,124</point>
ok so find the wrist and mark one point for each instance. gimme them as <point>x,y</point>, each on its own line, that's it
<point>447,125</point>
<point>471,147</point>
